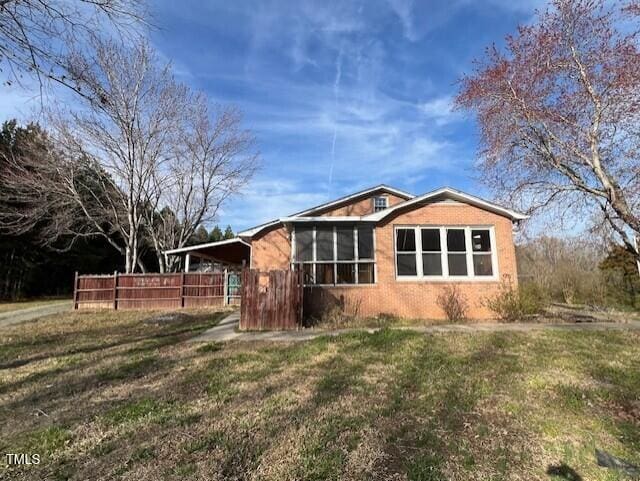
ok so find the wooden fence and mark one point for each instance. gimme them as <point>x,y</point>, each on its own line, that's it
<point>271,300</point>
<point>157,291</point>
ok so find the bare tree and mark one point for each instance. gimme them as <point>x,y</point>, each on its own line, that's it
<point>36,35</point>
<point>559,114</point>
<point>126,123</point>
<point>139,161</point>
<point>213,159</point>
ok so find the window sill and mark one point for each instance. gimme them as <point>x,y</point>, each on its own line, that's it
<point>339,286</point>
<point>457,280</point>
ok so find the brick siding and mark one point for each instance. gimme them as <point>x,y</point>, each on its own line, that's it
<point>409,299</point>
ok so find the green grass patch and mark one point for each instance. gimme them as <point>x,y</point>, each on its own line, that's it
<point>48,440</point>
<point>135,411</point>
<point>425,468</point>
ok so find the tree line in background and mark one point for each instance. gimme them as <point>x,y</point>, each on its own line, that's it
<point>578,272</point>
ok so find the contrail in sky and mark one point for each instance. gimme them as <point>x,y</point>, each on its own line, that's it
<point>336,91</point>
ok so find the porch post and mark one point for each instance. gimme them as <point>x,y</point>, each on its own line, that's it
<point>187,261</point>
<point>225,289</point>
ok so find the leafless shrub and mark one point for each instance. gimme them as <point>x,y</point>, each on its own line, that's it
<point>344,313</point>
<point>513,304</point>
<point>454,303</point>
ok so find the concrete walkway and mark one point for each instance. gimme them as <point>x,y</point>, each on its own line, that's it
<point>227,330</point>
<point>32,313</point>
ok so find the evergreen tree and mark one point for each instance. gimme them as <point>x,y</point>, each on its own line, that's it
<point>228,233</point>
<point>216,234</point>
<point>200,236</point>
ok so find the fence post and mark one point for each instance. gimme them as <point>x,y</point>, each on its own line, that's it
<point>225,288</point>
<point>182,289</point>
<point>75,292</point>
<point>115,290</point>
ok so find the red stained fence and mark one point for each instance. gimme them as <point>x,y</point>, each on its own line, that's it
<point>157,291</point>
<point>271,300</point>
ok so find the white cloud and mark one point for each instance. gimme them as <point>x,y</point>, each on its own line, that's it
<point>267,199</point>
<point>440,110</point>
<point>404,10</point>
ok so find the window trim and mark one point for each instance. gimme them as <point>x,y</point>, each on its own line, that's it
<point>335,260</point>
<point>443,252</point>
<point>386,202</point>
<point>445,277</point>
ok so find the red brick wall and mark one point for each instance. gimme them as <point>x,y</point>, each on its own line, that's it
<point>271,250</point>
<point>360,207</point>
<point>410,299</point>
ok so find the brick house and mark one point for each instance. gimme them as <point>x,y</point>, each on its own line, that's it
<point>383,250</point>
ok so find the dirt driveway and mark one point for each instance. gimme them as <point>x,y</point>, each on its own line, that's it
<point>31,313</point>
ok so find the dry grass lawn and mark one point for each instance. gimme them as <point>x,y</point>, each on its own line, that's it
<point>114,396</point>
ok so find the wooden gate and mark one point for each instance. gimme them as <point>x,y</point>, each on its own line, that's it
<point>271,300</point>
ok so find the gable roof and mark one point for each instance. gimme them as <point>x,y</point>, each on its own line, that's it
<point>378,188</point>
<point>449,193</point>
<point>411,201</point>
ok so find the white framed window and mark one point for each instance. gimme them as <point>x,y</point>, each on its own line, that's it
<point>334,255</point>
<point>445,253</point>
<point>380,202</point>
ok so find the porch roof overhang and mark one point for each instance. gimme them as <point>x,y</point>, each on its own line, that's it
<point>230,251</point>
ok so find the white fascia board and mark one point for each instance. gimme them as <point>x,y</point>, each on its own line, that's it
<point>453,194</point>
<point>330,219</point>
<point>208,244</point>
<point>254,230</point>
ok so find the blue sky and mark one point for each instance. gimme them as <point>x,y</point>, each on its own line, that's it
<point>340,95</point>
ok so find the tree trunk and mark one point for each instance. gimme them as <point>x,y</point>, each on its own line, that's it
<point>127,260</point>
<point>162,267</point>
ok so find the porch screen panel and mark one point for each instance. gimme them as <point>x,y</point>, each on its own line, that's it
<point>324,244</point>
<point>365,243</point>
<point>335,254</point>
<point>345,243</point>
<point>304,244</point>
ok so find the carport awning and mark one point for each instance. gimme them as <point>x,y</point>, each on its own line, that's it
<point>230,251</point>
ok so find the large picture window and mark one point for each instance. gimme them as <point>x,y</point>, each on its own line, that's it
<point>334,255</point>
<point>426,252</point>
